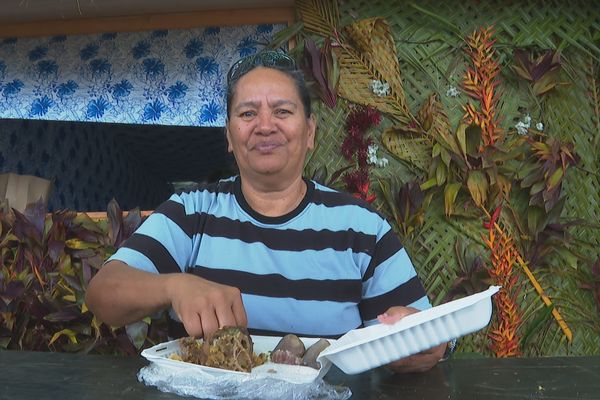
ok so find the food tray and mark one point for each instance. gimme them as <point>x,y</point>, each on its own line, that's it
<point>160,353</point>
<point>366,348</point>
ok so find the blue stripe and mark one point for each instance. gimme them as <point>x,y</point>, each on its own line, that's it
<point>322,217</point>
<point>135,259</point>
<point>171,236</point>
<point>421,304</point>
<point>310,317</point>
<point>257,258</point>
<point>395,269</point>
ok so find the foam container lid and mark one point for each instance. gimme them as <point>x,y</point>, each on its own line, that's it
<point>366,348</point>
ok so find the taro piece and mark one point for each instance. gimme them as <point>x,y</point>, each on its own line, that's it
<point>285,357</point>
<point>310,357</point>
<point>289,350</point>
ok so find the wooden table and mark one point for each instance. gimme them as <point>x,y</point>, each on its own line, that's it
<point>57,376</point>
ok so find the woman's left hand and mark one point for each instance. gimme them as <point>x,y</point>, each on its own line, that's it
<point>419,362</point>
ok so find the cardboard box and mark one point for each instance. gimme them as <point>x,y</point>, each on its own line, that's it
<point>20,190</point>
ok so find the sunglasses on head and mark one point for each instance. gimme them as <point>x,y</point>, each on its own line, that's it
<point>270,59</point>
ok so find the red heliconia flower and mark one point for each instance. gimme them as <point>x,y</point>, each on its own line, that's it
<point>361,119</point>
<point>361,156</point>
<point>490,224</point>
<point>363,193</point>
<point>355,132</point>
<point>374,116</point>
<point>348,148</point>
<point>356,144</point>
<point>357,183</point>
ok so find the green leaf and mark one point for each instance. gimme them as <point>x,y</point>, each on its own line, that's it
<point>536,324</point>
<point>386,190</point>
<point>445,21</point>
<point>492,175</point>
<point>568,256</point>
<point>450,192</point>
<point>555,178</point>
<point>86,222</point>
<point>535,220</point>
<point>445,157</point>
<point>72,335</point>
<point>462,138</point>
<point>452,142</point>
<point>62,316</point>
<point>473,138</point>
<point>546,83</point>
<point>428,184</point>
<point>537,187</point>
<point>77,244</point>
<point>478,187</point>
<point>440,174</point>
<point>525,169</point>
<point>531,178</point>
<point>70,298</point>
<point>555,212</point>
<point>285,35</point>
<point>334,72</point>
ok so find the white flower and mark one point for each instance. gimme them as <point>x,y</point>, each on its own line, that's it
<point>372,158</point>
<point>380,88</point>
<point>452,92</point>
<point>539,126</point>
<point>522,128</point>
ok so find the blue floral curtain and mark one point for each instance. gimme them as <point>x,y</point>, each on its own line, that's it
<point>169,77</point>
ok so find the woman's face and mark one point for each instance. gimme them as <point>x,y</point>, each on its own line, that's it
<point>268,131</point>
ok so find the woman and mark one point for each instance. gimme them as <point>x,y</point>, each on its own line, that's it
<point>267,249</point>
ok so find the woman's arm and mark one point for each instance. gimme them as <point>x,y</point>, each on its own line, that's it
<point>119,294</point>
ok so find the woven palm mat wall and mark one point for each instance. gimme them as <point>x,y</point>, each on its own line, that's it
<point>428,48</point>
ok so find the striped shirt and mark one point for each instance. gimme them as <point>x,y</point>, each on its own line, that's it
<point>331,265</point>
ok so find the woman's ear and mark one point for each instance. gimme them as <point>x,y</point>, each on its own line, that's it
<point>228,138</point>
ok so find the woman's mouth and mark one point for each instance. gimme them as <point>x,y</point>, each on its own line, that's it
<point>267,146</point>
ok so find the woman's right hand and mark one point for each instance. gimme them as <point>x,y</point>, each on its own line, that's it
<point>204,306</point>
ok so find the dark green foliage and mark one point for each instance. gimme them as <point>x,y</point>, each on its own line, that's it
<point>46,262</point>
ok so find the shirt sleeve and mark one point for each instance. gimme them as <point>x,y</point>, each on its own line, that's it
<point>390,278</point>
<point>162,244</point>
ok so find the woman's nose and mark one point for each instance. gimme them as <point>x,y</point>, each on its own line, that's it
<point>266,123</point>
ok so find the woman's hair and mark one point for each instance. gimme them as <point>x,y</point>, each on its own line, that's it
<point>268,59</point>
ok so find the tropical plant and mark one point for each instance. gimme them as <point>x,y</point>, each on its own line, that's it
<point>472,275</point>
<point>591,282</point>
<point>542,71</point>
<point>470,166</point>
<point>46,262</point>
<point>407,204</point>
